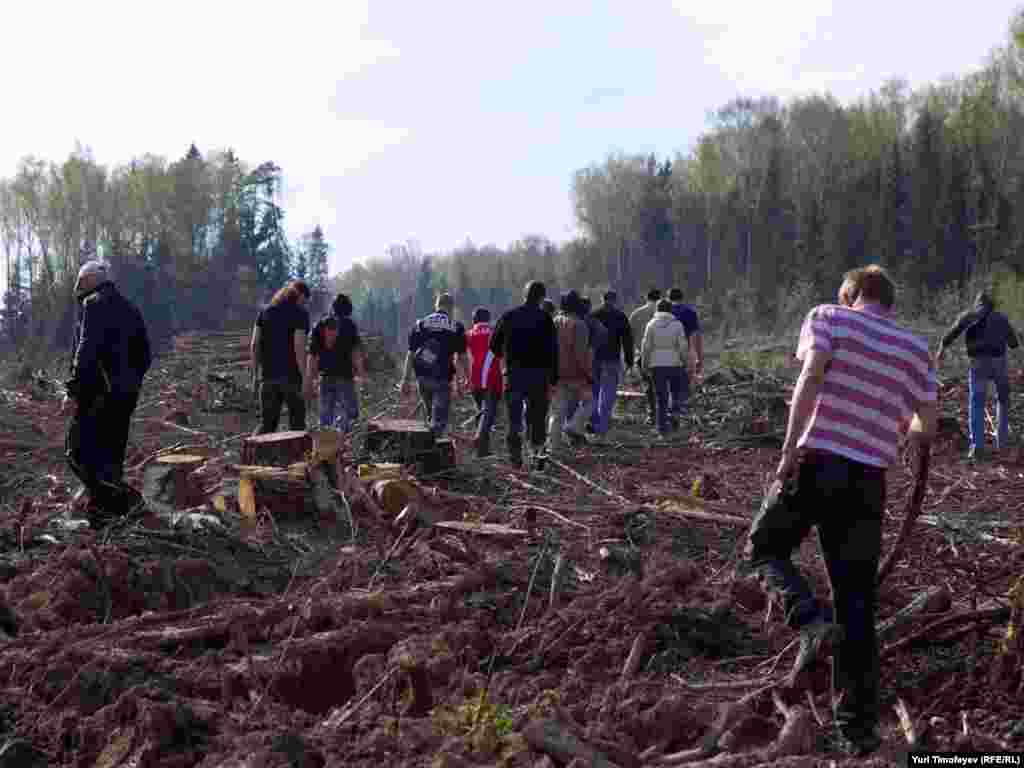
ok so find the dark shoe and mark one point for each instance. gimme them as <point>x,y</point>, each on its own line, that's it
<point>540,460</point>
<point>857,742</point>
<point>576,439</point>
<point>974,454</point>
<point>817,639</point>
<point>590,429</point>
<point>515,450</point>
<point>483,445</point>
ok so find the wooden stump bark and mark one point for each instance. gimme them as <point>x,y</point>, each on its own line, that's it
<point>284,492</point>
<point>168,480</point>
<point>276,449</point>
<point>406,439</point>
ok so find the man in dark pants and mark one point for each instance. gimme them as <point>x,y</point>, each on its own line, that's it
<point>987,334</point>
<point>335,354</point>
<point>638,320</point>
<point>278,349</point>
<point>111,355</point>
<point>525,340</point>
<point>846,441</point>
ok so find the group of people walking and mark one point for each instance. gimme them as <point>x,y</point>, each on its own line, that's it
<point>866,384</point>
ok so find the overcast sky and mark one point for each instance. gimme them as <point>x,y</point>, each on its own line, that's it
<point>442,121</point>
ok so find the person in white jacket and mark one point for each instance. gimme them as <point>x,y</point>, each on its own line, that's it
<point>663,355</point>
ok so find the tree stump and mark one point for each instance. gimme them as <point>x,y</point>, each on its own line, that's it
<point>284,492</point>
<point>326,445</point>
<point>276,449</point>
<point>168,480</point>
<point>404,439</point>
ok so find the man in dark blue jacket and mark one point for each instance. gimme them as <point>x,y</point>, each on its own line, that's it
<point>436,343</point>
<point>110,357</point>
<point>987,334</point>
<point>608,360</point>
<point>526,342</point>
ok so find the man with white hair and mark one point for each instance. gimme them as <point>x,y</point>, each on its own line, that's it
<point>110,357</point>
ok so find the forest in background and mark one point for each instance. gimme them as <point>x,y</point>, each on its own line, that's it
<point>755,222</point>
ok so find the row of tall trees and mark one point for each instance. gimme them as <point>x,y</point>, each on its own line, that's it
<point>770,205</point>
<point>199,242</point>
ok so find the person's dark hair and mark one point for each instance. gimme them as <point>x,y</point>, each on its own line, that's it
<point>676,294</point>
<point>571,303</point>
<point>585,304</point>
<point>534,292</point>
<point>342,305</point>
<point>611,297</point>
<point>871,283</point>
<point>329,322</point>
<point>653,295</point>
<point>481,315</point>
<point>290,293</point>
<point>548,306</point>
<point>664,305</point>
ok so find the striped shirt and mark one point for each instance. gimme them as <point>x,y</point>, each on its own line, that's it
<point>879,376</point>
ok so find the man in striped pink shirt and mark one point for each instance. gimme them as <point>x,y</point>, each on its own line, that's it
<point>863,382</point>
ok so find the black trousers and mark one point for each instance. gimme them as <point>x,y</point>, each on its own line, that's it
<point>275,394</point>
<point>528,388</point>
<point>651,390</point>
<point>96,443</point>
<point>845,500</point>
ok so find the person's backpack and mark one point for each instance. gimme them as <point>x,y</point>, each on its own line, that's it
<point>429,360</point>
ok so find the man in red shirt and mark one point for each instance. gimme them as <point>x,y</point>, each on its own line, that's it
<point>484,378</point>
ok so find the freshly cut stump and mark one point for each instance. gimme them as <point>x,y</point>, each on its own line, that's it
<point>405,439</point>
<point>277,449</point>
<point>284,492</point>
<point>168,480</point>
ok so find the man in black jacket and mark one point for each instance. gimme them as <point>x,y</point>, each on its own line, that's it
<point>987,334</point>
<point>110,357</point>
<point>525,340</point>
<point>608,360</point>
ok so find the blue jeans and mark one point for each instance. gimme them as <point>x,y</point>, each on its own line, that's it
<point>486,410</point>
<point>437,398</point>
<point>983,370</point>
<point>663,379</point>
<point>606,388</point>
<point>339,403</point>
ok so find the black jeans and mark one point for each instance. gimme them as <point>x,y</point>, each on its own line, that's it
<point>274,394</point>
<point>651,390</point>
<point>529,387</point>
<point>96,443</point>
<point>486,410</point>
<point>845,500</point>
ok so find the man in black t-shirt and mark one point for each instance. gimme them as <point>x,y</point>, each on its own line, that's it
<point>278,351</point>
<point>335,353</point>
<point>433,343</point>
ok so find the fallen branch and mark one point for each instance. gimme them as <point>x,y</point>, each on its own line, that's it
<point>934,600</point>
<point>913,511</point>
<point>636,655</point>
<point>928,633</point>
<point>588,481</point>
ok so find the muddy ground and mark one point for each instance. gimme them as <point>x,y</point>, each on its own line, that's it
<point>612,614</point>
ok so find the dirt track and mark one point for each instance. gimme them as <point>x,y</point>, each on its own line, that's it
<point>288,644</point>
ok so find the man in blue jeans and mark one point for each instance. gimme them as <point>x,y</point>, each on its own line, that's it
<point>987,334</point>
<point>336,354</point>
<point>680,385</point>
<point>436,343</point>
<point>608,360</point>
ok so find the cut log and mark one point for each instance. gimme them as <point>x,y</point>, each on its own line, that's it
<point>168,480</point>
<point>395,495</point>
<point>326,445</point>
<point>405,438</point>
<point>276,449</point>
<point>285,492</point>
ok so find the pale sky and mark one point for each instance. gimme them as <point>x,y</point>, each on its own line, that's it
<point>442,121</point>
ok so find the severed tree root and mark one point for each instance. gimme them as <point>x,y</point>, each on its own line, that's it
<point>796,738</point>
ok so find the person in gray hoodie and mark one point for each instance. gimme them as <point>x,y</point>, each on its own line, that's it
<point>987,334</point>
<point>663,354</point>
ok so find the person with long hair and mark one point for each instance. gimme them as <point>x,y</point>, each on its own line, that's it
<point>278,354</point>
